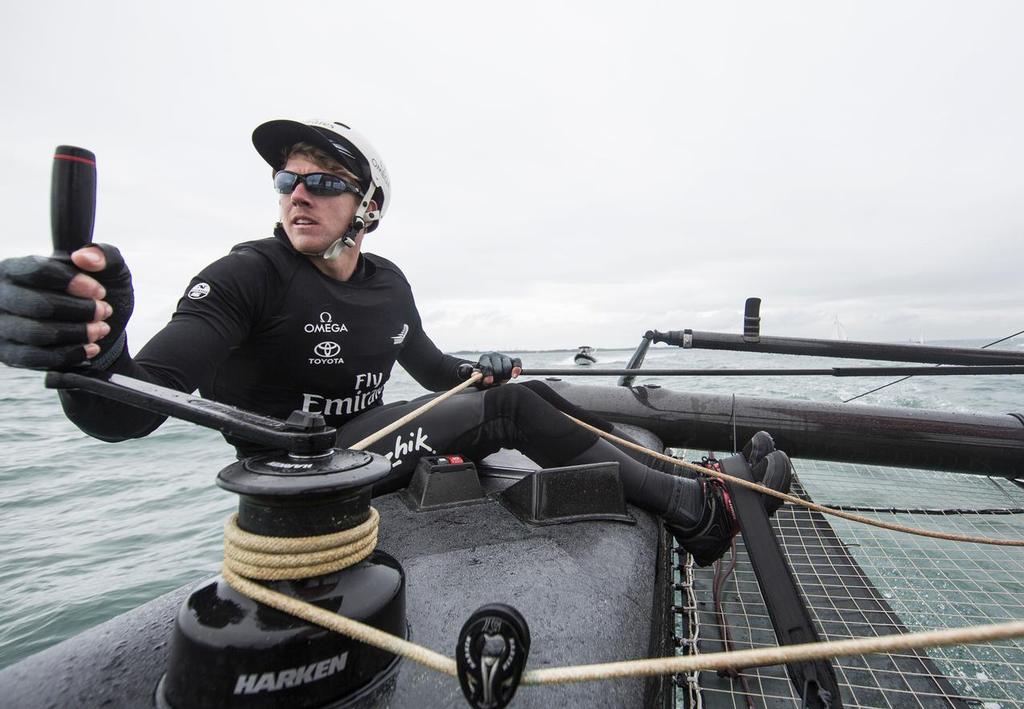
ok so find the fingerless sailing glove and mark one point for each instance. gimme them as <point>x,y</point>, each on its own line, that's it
<point>42,327</point>
<point>498,365</point>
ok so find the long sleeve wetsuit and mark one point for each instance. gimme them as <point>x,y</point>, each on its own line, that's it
<point>263,329</point>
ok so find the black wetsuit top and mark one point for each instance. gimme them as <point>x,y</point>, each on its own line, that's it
<point>263,329</point>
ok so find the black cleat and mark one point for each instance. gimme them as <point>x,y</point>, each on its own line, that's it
<point>759,445</point>
<point>774,471</point>
<point>769,467</point>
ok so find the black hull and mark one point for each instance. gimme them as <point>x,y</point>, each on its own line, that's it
<point>913,438</point>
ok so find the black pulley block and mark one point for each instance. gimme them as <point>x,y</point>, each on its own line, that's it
<point>491,655</point>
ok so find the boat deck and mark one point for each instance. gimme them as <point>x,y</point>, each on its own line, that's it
<point>863,581</point>
<point>591,591</point>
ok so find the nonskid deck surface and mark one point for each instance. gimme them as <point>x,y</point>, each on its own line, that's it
<point>591,592</point>
<point>861,581</point>
<point>588,592</point>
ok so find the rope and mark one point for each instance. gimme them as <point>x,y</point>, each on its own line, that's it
<point>251,556</point>
<point>394,426</point>
<point>286,558</point>
<point>778,655</point>
<point>892,526</point>
<point>292,554</point>
<point>903,379</point>
<point>340,624</point>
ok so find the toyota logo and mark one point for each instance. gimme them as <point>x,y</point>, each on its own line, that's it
<point>327,349</point>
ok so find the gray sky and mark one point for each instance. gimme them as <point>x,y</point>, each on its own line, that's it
<point>564,173</point>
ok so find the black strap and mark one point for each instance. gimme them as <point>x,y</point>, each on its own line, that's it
<point>815,681</point>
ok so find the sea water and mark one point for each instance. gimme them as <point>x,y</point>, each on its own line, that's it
<point>89,530</point>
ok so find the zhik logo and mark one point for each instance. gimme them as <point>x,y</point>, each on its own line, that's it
<point>417,442</point>
<point>199,291</point>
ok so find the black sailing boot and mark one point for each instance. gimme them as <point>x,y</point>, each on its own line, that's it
<point>712,536</point>
<point>708,540</point>
<point>697,511</point>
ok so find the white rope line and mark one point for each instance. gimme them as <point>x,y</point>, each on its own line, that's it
<point>269,557</point>
<point>374,437</point>
<point>289,558</point>
<point>630,668</point>
<point>340,624</point>
<point>282,558</point>
<point>777,655</point>
<point>796,500</point>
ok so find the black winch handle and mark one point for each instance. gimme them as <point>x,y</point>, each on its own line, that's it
<point>72,199</point>
<point>491,655</point>
<point>72,216</point>
<point>301,434</point>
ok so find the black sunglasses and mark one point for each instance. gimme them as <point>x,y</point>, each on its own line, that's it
<point>321,184</point>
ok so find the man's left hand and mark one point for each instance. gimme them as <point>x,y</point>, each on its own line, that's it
<point>498,368</point>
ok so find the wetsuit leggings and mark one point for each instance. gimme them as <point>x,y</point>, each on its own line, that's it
<point>526,417</point>
<point>473,423</point>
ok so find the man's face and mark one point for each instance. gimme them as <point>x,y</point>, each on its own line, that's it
<point>313,223</point>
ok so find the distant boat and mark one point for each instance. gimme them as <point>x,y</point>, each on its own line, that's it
<point>585,355</point>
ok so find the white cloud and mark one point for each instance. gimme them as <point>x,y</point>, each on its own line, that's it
<point>563,173</point>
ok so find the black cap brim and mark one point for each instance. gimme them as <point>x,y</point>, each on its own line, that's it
<point>273,138</point>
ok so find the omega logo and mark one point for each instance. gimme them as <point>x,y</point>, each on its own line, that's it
<point>327,349</point>
<point>326,324</point>
<point>383,171</point>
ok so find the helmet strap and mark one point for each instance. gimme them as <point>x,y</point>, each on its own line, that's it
<point>346,241</point>
<point>362,215</point>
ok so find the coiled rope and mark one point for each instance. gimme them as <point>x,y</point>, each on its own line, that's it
<point>282,558</point>
<point>250,556</point>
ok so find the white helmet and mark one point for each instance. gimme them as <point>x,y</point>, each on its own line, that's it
<point>273,138</point>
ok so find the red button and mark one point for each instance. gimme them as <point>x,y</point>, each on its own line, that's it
<point>455,460</point>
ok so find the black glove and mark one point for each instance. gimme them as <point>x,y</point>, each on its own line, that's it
<point>497,365</point>
<point>42,327</point>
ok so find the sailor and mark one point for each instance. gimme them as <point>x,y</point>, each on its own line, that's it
<point>305,319</point>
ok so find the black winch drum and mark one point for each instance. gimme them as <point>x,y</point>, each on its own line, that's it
<point>230,651</point>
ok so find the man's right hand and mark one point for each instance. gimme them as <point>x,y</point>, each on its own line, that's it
<point>55,315</point>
